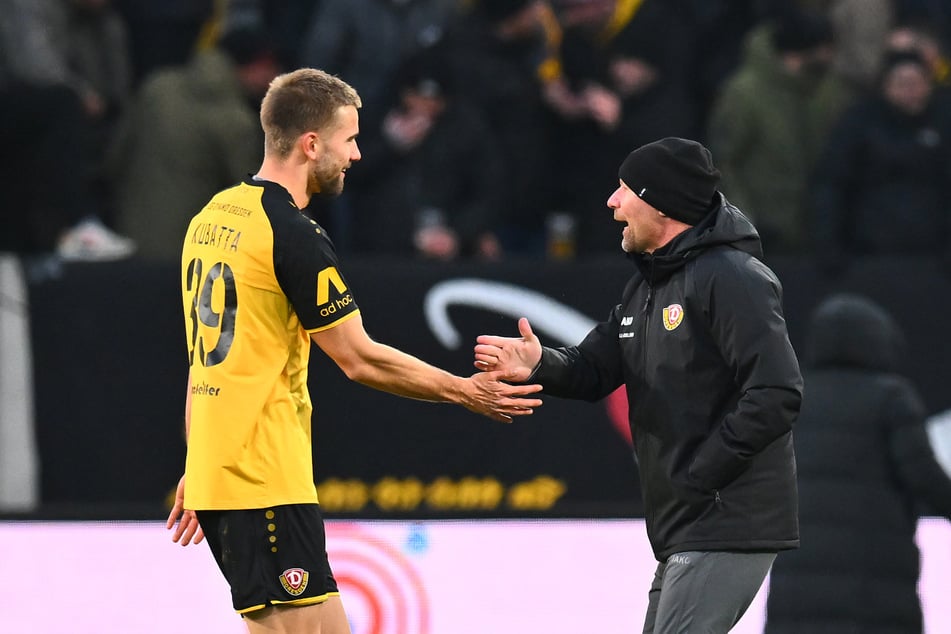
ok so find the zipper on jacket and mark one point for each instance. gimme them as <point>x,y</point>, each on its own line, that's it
<point>647,307</point>
<point>716,497</point>
<point>645,341</point>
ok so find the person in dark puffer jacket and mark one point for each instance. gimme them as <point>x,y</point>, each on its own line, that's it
<point>865,465</point>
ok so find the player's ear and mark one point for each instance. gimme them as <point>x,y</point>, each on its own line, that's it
<point>310,145</point>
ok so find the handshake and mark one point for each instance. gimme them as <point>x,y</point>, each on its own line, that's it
<point>503,361</point>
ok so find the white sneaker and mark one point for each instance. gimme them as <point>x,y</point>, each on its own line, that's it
<point>91,241</point>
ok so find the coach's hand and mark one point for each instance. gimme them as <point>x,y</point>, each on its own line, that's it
<point>516,356</point>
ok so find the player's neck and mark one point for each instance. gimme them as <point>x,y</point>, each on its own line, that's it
<point>290,174</point>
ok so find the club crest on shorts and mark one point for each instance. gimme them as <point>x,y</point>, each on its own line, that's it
<point>294,580</point>
<point>673,315</point>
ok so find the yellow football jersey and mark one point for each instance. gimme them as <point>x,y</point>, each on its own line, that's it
<point>257,277</point>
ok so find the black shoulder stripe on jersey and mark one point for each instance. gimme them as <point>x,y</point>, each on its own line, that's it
<point>305,262</point>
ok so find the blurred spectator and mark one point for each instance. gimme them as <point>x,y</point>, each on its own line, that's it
<point>47,110</point>
<point>640,56</point>
<point>860,29</point>
<point>82,44</point>
<point>98,53</point>
<point>926,40</point>
<point>98,50</point>
<point>626,75</point>
<point>865,468</point>
<point>189,133</point>
<point>720,28</point>
<point>365,42</point>
<point>164,32</point>
<point>285,21</point>
<point>882,182</point>
<point>430,185</point>
<point>503,55</point>
<point>936,14</point>
<point>765,125</point>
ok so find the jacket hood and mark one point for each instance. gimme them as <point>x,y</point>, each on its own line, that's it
<point>758,51</point>
<point>211,75</point>
<point>853,331</point>
<point>725,225</point>
<point>761,60</point>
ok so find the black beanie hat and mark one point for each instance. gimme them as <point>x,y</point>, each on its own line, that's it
<point>675,176</point>
<point>496,11</point>
<point>799,30</point>
<point>246,45</point>
<point>898,57</point>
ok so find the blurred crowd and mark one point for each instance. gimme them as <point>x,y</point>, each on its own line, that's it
<point>490,129</point>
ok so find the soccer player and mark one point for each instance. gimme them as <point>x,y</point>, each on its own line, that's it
<point>260,282</point>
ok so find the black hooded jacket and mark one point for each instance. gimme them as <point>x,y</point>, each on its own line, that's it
<point>713,388</point>
<point>865,469</point>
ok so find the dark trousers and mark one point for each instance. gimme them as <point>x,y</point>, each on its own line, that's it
<point>701,592</point>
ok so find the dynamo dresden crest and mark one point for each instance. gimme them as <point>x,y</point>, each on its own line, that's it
<point>673,315</point>
<point>294,580</point>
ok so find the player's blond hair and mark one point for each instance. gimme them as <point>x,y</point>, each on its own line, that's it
<point>303,100</point>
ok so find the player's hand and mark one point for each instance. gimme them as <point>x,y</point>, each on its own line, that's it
<point>516,356</point>
<point>188,530</point>
<point>489,394</point>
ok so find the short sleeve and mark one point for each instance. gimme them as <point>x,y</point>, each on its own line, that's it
<point>308,270</point>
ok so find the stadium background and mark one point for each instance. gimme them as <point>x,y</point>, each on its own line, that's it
<point>109,374</point>
<point>493,505</point>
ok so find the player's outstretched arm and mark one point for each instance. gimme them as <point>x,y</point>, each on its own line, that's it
<point>188,530</point>
<point>390,370</point>
<point>516,356</point>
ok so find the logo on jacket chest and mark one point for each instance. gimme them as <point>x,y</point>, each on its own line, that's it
<point>673,315</point>
<point>626,322</point>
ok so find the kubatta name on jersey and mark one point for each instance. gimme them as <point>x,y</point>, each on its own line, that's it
<point>216,236</point>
